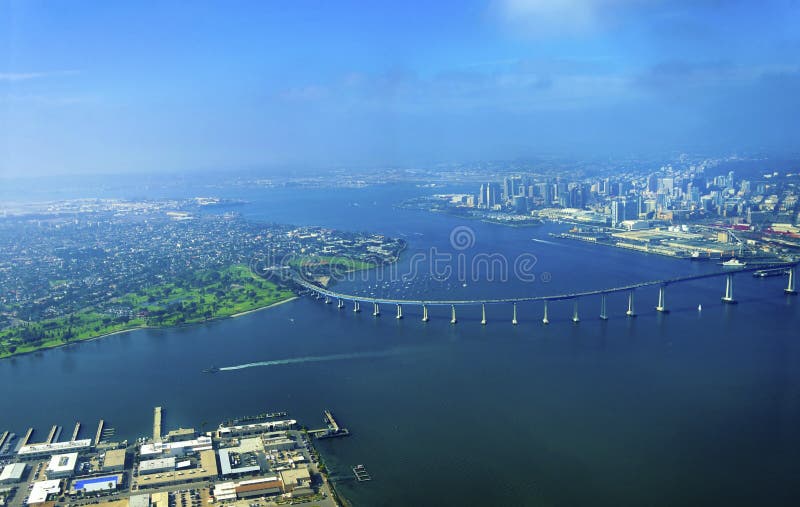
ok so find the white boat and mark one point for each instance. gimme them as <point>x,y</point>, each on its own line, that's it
<point>699,308</point>
<point>734,263</point>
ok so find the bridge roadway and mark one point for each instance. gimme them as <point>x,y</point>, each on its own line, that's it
<point>558,297</point>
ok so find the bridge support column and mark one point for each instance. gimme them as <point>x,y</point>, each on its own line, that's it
<point>514,319</point>
<point>603,315</point>
<point>575,317</point>
<point>545,320</point>
<point>453,314</point>
<point>399,312</point>
<point>790,288</point>
<point>340,304</point>
<point>631,310</point>
<point>662,302</point>
<point>327,300</point>
<point>424,313</point>
<point>483,314</point>
<point>728,297</point>
<point>376,310</point>
<point>356,307</point>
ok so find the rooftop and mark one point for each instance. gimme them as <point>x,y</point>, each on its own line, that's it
<point>61,463</point>
<point>42,489</point>
<point>12,472</point>
<point>54,448</point>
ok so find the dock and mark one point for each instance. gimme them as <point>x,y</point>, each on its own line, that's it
<point>333,429</point>
<point>55,431</point>
<point>26,438</point>
<point>249,419</point>
<point>99,433</point>
<point>360,471</point>
<point>76,431</point>
<point>3,438</point>
<point>332,424</point>
<point>157,424</point>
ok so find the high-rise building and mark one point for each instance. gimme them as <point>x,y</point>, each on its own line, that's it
<point>652,183</point>
<point>621,210</point>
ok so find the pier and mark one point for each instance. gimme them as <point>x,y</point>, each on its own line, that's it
<point>76,431</point>
<point>27,438</point>
<point>99,434</point>
<point>52,434</point>
<point>157,424</point>
<point>55,433</point>
<point>3,438</point>
<point>661,306</point>
<point>333,429</point>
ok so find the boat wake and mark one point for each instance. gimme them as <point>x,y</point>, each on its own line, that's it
<point>313,359</point>
<point>545,241</point>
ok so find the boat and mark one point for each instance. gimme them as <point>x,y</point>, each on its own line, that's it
<point>699,308</point>
<point>213,369</point>
<point>733,263</point>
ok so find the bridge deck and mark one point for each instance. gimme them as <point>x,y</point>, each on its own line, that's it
<point>557,297</point>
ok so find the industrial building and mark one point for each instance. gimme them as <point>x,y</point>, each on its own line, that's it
<point>139,500</point>
<point>264,486</point>
<point>297,481</point>
<point>114,460</point>
<point>279,441</point>
<point>36,451</point>
<point>255,429</point>
<point>153,466</point>
<point>62,465</point>
<point>178,448</point>
<point>12,473</point>
<point>206,468</point>
<point>108,483</point>
<point>43,489</point>
<point>229,466</point>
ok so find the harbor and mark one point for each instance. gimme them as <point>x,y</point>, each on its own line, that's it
<point>265,457</point>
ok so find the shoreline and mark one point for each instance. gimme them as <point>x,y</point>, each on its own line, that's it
<point>138,328</point>
<point>273,305</point>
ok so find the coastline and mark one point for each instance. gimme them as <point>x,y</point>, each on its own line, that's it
<point>233,316</point>
<point>137,328</point>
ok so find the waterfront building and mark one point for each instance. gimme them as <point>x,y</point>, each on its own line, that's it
<point>255,429</point>
<point>62,465</point>
<point>178,448</point>
<point>12,473</point>
<point>36,451</point>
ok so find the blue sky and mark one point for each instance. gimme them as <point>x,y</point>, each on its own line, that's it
<point>178,86</point>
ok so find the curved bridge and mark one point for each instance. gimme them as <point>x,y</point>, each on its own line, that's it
<point>356,300</point>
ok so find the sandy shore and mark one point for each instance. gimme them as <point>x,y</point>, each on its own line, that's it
<point>264,307</point>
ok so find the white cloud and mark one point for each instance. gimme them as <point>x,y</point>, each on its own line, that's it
<point>560,17</point>
<point>25,76</point>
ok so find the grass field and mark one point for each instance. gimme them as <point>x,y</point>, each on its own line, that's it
<point>197,297</point>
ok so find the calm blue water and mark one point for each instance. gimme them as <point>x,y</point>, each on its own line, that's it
<point>689,408</point>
